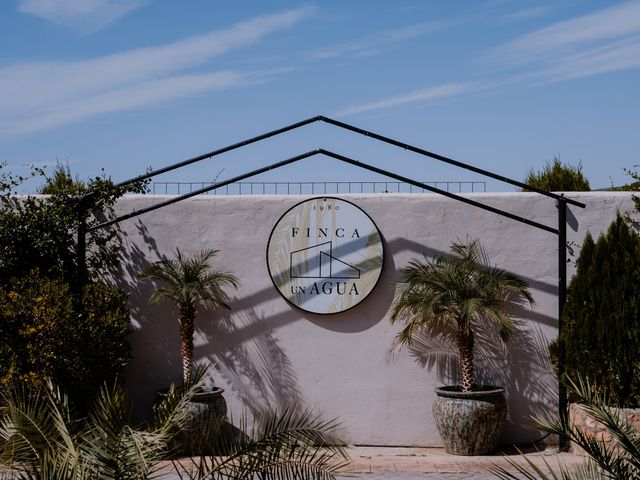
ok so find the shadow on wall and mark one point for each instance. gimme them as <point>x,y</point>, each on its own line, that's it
<point>255,366</point>
<point>248,357</point>
<point>367,313</point>
<point>521,367</point>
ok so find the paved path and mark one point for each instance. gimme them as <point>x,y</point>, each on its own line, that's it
<point>377,463</point>
<point>420,476</point>
<point>393,463</point>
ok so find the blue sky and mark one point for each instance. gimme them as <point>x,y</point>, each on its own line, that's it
<point>505,85</point>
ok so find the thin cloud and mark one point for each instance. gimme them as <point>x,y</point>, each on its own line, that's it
<point>524,14</point>
<point>567,36</point>
<point>130,98</point>
<point>424,96</point>
<point>616,56</point>
<point>381,42</point>
<point>601,42</point>
<point>36,95</point>
<point>85,15</point>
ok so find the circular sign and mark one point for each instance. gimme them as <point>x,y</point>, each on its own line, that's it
<point>325,255</point>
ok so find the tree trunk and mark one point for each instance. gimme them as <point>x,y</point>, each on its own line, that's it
<point>187,319</point>
<point>465,344</point>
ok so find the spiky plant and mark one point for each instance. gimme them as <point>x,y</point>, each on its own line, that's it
<point>44,438</point>
<point>191,283</point>
<point>461,292</point>
<point>290,444</point>
<point>618,459</point>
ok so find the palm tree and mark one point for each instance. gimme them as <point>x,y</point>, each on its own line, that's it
<point>459,292</point>
<point>190,282</point>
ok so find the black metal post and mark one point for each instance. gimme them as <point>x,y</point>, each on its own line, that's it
<point>562,298</point>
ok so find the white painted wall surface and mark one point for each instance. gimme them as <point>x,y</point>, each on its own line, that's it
<point>269,353</point>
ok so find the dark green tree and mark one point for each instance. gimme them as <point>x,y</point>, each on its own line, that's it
<point>558,177</point>
<point>601,328</point>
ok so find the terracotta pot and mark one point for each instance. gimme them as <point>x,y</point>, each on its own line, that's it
<point>470,423</point>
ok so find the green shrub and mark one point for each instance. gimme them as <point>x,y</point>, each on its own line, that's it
<point>77,337</point>
<point>41,335</point>
<point>558,177</point>
<point>40,232</point>
<point>601,327</point>
<point>634,186</point>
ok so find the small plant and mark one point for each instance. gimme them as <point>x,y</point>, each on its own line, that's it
<point>457,294</point>
<point>191,283</point>
<point>619,461</point>
<point>558,177</point>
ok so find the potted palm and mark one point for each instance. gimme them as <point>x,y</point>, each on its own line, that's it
<point>455,295</point>
<point>193,283</point>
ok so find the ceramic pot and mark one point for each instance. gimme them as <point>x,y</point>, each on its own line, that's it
<point>208,411</point>
<point>470,423</point>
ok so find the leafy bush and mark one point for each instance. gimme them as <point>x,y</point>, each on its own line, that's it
<point>76,336</point>
<point>41,336</point>
<point>601,327</point>
<point>558,177</point>
<point>634,186</point>
<point>40,232</point>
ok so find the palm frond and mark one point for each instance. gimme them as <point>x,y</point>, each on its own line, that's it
<point>171,413</point>
<point>458,292</point>
<point>190,282</point>
<point>619,459</point>
<point>530,471</point>
<point>292,443</point>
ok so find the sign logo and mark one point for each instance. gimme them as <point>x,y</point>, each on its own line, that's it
<point>325,255</point>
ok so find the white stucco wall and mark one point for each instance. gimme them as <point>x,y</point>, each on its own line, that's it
<point>268,353</point>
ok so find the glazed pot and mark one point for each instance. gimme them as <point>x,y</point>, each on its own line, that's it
<point>470,423</point>
<point>207,413</point>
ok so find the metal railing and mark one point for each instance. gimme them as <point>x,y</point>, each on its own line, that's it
<point>312,188</point>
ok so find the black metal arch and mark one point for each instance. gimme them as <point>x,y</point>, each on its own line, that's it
<point>562,202</point>
<point>337,156</point>
<point>360,131</point>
